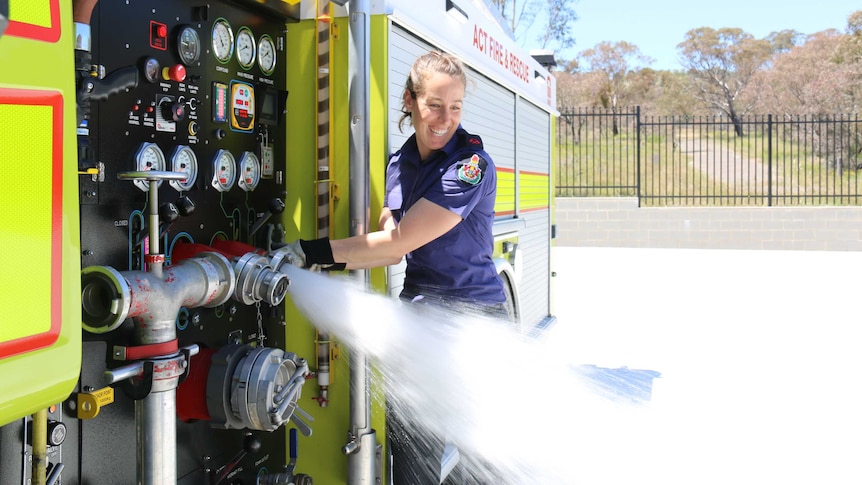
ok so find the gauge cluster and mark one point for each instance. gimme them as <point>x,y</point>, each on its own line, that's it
<point>210,94</point>
<point>207,110</point>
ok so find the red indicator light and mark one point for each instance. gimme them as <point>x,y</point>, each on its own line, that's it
<point>158,35</point>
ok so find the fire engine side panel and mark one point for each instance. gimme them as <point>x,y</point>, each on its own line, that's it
<point>40,334</point>
<point>533,148</point>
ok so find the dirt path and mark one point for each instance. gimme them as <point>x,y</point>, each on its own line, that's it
<point>723,165</point>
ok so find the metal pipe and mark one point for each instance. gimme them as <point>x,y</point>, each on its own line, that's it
<point>361,448</point>
<point>155,265</point>
<point>39,443</point>
<point>153,303</point>
<point>155,425</point>
<point>206,280</point>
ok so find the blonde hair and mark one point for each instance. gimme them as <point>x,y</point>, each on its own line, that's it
<point>423,68</point>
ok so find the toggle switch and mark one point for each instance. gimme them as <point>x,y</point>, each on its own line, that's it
<point>276,206</point>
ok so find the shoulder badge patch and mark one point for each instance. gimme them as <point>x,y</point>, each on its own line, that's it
<point>470,171</point>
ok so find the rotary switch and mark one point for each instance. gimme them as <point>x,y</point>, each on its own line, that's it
<point>173,110</point>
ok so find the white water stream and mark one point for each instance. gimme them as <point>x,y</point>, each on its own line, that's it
<point>759,356</point>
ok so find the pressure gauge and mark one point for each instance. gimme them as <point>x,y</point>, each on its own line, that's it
<point>148,157</point>
<point>246,49</point>
<point>185,161</point>
<point>249,171</point>
<point>224,171</point>
<point>188,45</point>
<point>266,54</point>
<point>222,40</point>
<point>151,69</point>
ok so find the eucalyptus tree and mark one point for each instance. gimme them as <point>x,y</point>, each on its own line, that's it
<point>615,64</point>
<point>721,64</point>
<point>558,19</point>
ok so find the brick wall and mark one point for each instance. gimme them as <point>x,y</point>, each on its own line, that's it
<point>619,222</point>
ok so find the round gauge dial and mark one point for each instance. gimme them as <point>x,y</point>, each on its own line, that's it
<point>151,69</point>
<point>184,161</point>
<point>266,54</point>
<point>224,171</point>
<point>246,50</point>
<point>148,157</point>
<point>249,171</point>
<point>222,40</point>
<point>188,45</point>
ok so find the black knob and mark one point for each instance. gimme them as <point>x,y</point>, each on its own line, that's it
<point>169,212</point>
<point>56,433</point>
<point>220,133</point>
<point>251,443</point>
<point>174,111</point>
<point>276,206</point>
<point>185,205</point>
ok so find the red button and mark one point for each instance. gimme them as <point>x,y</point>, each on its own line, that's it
<point>177,73</point>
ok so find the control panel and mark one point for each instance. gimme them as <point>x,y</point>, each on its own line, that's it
<point>194,124</point>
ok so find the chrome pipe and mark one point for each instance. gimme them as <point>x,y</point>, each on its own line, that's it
<point>155,425</point>
<point>362,456</point>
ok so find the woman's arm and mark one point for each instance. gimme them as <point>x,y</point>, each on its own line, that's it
<point>423,223</point>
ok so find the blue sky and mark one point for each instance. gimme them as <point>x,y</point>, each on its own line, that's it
<point>657,27</point>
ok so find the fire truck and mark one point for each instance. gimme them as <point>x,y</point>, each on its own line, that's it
<point>156,155</point>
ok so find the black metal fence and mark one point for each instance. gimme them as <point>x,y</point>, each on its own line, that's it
<point>691,161</point>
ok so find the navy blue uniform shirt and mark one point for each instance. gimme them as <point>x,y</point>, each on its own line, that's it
<point>461,177</point>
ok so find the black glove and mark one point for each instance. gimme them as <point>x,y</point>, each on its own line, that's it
<point>315,255</point>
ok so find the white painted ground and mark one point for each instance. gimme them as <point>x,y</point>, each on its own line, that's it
<point>760,354</point>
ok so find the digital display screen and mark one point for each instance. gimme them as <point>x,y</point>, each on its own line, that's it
<point>269,101</point>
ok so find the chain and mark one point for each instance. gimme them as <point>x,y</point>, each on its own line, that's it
<point>260,335</point>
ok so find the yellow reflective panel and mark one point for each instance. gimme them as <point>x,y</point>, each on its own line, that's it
<point>505,203</point>
<point>30,12</point>
<point>34,20</point>
<point>534,191</point>
<point>26,221</point>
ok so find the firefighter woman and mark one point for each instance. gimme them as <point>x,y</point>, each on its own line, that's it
<point>438,211</point>
<point>439,205</point>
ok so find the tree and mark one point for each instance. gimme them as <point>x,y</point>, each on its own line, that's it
<point>613,63</point>
<point>558,27</point>
<point>815,83</point>
<point>806,80</point>
<point>520,16</point>
<point>721,64</point>
<point>785,40</point>
<point>672,96</point>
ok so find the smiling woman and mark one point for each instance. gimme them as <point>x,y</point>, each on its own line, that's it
<point>437,109</point>
<point>438,210</point>
<point>441,188</point>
